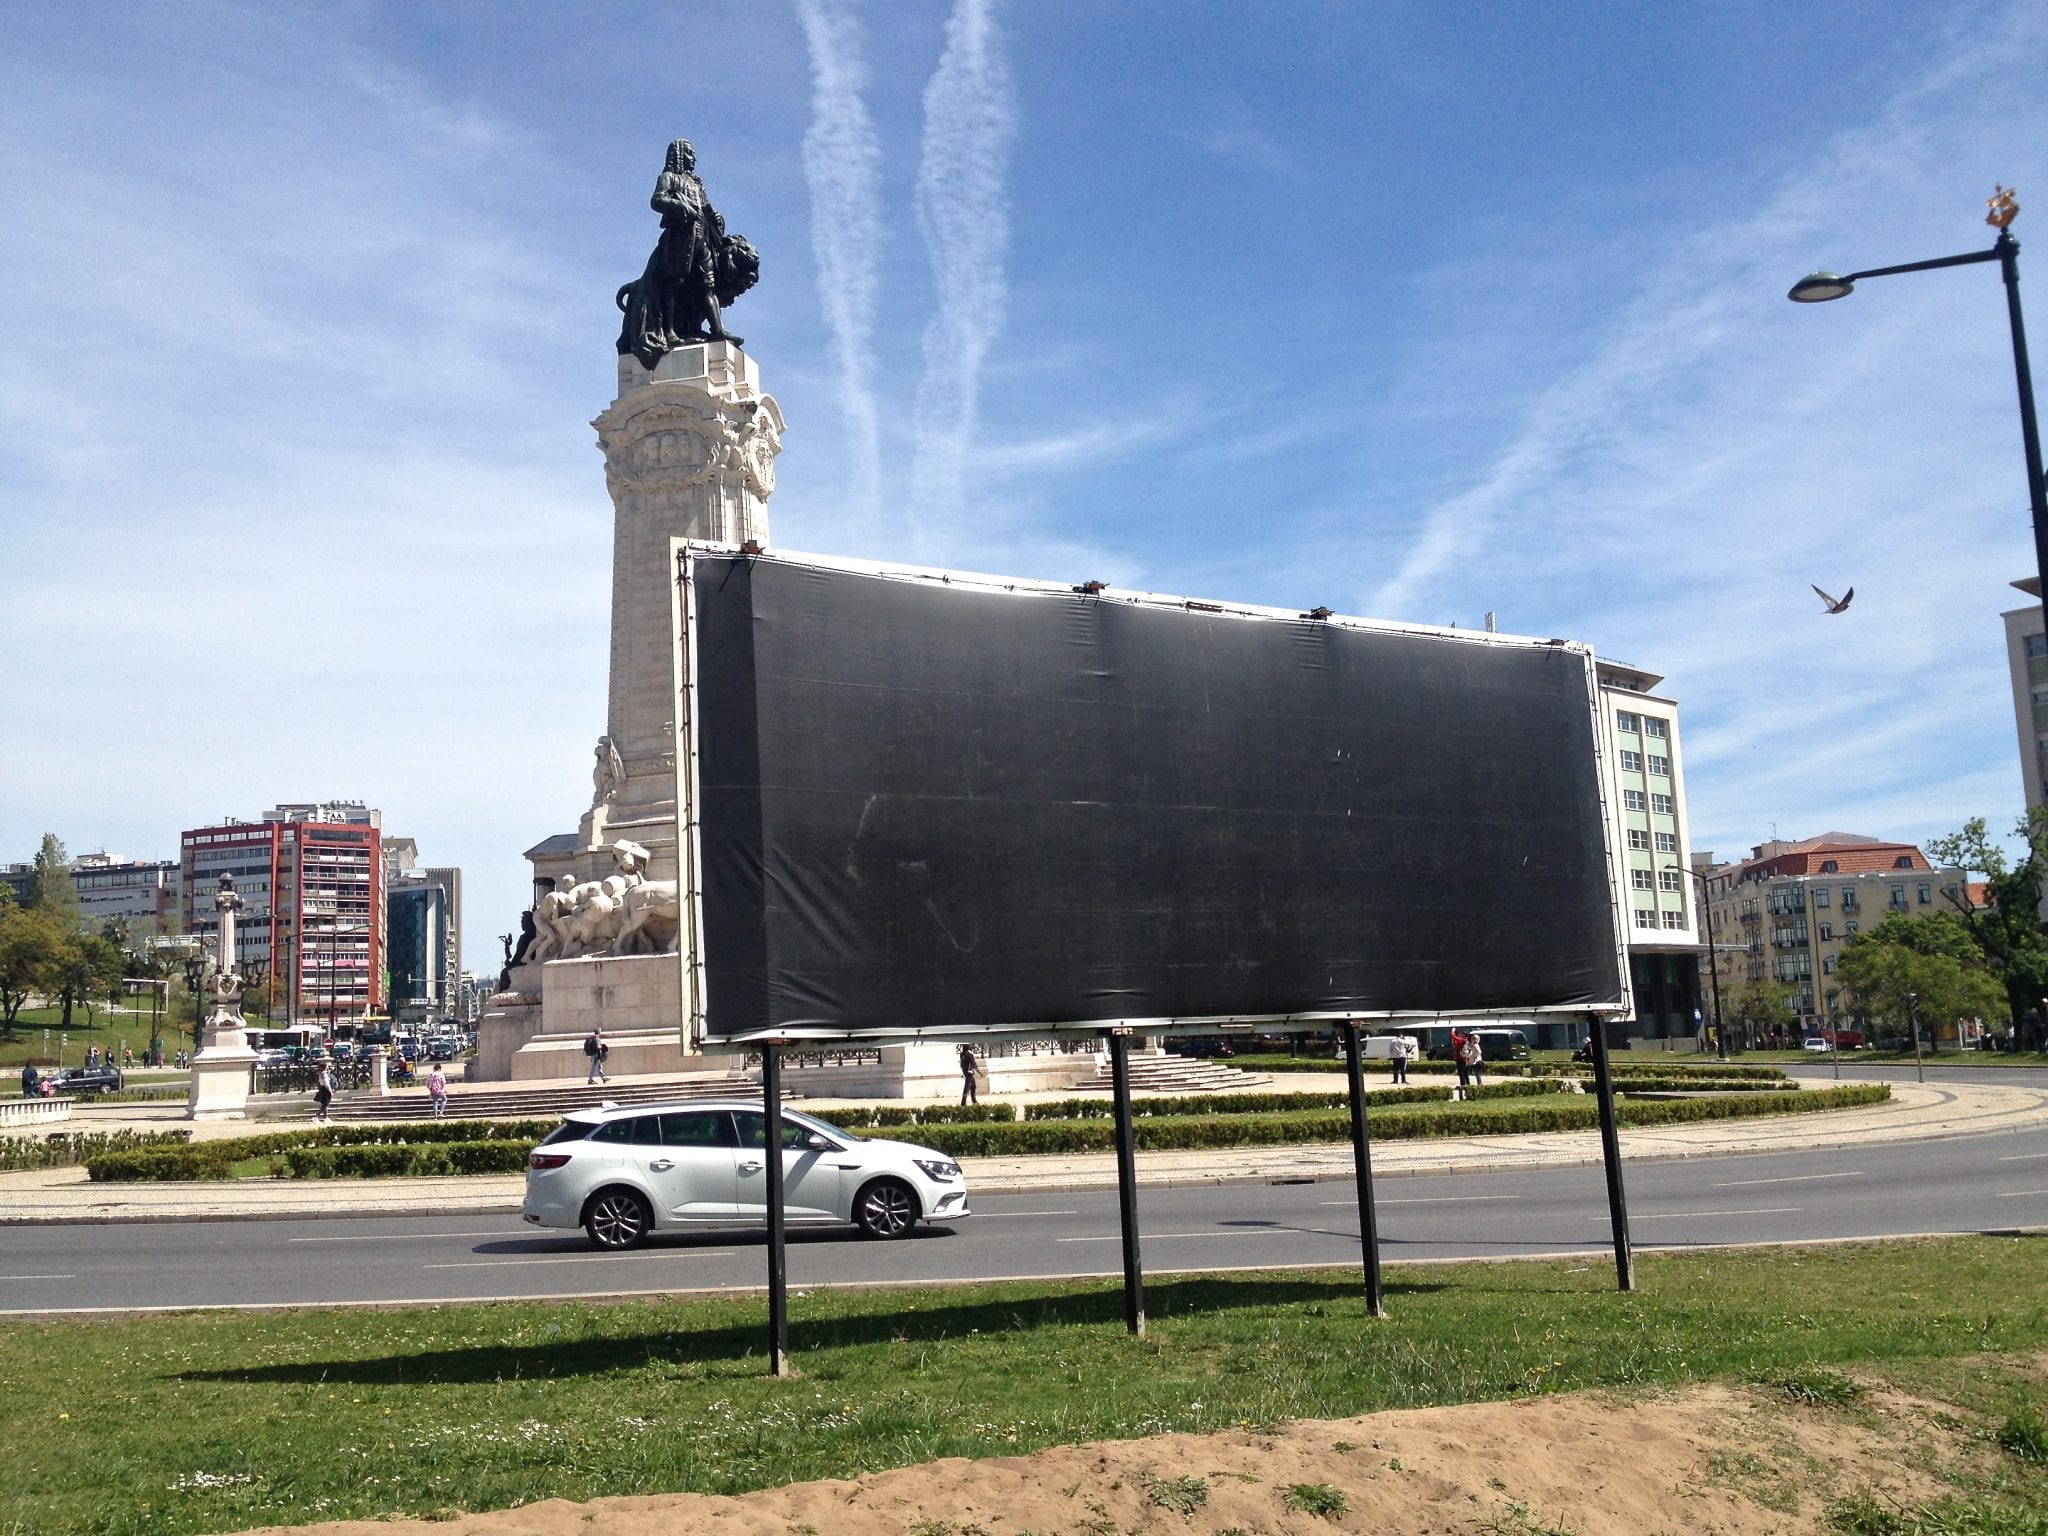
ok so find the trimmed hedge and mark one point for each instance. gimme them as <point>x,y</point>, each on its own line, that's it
<point>1558,1112</point>
<point>433,1149</point>
<point>430,1160</point>
<point>880,1116</point>
<point>201,1157</point>
<point>67,1149</point>
<point>1657,1065</point>
<point>1256,1102</point>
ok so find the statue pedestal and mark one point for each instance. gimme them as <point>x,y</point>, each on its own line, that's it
<point>637,1000</point>
<point>220,1081</point>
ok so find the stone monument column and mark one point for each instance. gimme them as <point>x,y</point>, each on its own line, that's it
<point>689,449</point>
<point>222,1066</point>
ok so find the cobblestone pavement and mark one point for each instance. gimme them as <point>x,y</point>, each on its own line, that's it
<point>1917,1111</point>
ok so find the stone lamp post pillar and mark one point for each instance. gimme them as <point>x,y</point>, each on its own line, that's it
<point>222,1068</point>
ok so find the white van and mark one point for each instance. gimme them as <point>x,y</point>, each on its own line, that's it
<point>1381,1047</point>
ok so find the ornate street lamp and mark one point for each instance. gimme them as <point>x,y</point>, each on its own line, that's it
<point>1823,286</point>
<point>195,972</point>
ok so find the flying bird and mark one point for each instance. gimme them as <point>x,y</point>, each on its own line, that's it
<point>1836,604</point>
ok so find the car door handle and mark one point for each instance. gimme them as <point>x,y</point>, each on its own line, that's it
<point>752,1167</point>
<point>660,1165</point>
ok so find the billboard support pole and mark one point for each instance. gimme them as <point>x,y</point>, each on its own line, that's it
<point>1127,1181</point>
<point>778,1266</point>
<point>1610,1152</point>
<point>1361,1159</point>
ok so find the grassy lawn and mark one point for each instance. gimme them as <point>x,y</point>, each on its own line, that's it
<point>215,1421</point>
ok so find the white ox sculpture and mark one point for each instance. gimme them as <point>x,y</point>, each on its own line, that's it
<point>622,914</point>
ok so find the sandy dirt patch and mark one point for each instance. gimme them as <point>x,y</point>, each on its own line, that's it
<point>1731,1460</point>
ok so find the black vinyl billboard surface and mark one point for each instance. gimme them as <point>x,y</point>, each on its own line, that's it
<point>935,805</point>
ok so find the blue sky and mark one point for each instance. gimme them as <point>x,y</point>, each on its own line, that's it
<point>1418,311</point>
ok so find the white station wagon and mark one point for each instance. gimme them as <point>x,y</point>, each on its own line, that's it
<point>623,1171</point>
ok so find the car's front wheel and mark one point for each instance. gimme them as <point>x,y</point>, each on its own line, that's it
<point>886,1208</point>
<point>617,1218</point>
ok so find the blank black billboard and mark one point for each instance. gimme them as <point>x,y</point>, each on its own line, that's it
<point>939,805</point>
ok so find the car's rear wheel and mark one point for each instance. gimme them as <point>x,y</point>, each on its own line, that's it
<point>617,1218</point>
<point>886,1208</point>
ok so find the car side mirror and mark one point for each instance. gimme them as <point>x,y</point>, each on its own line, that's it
<point>817,1143</point>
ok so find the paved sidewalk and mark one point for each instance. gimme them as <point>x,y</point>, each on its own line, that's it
<point>1917,1111</point>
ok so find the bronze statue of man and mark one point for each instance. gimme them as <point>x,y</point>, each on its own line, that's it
<point>695,269</point>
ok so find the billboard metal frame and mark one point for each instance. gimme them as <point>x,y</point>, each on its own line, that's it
<point>1114,1034</point>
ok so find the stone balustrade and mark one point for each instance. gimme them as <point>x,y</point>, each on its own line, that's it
<point>15,1112</point>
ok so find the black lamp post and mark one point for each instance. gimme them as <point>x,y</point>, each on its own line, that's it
<point>1822,286</point>
<point>195,972</point>
<point>1713,964</point>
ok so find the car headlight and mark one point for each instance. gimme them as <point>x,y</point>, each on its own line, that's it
<point>937,1169</point>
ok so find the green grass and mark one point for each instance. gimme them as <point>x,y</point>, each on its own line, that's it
<point>216,1421</point>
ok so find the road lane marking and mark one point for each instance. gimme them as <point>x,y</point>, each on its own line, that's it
<point>407,1237</point>
<point>1767,1210</point>
<point>1011,1215</point>
<point>1157,1236</point>
<point>1423,1200</point>
<point>579,1258</point>
<point>1792,1178</point>
<point>38,1277</point>
<point>2011,1194</point>
<point>2021,1157</point>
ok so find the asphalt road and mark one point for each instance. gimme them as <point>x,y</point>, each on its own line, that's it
<point>1948,1067</point>
<point>1984,1183</point>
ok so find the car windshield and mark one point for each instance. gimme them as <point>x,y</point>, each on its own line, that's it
<point>568,1130</point>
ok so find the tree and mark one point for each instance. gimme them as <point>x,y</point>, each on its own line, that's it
<point>32,955</point>
<point>1925,967</point>
<point>51,888</point>
<point>1762,1008</point>
<point>2006,928</point>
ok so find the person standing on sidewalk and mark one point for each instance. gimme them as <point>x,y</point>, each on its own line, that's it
<point>437,1089</point>
<point>1471,1060</point>
<point>968,1067</point>
<point>1404,1049</point>
<point>323,1089</point>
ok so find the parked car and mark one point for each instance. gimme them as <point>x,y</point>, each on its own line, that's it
<point>1815,1043</point>
<point>623,1172</point>
<point>1201,1045</point>
<point>89,1080</point>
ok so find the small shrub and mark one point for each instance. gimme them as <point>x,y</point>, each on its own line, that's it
<point>1316,1499</point>
<point>2025,1435</point>
<point>1814,1385</point>
<point>1183,1495</point>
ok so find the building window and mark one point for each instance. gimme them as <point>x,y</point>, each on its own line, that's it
<point>1849,925</point>
<point>1660,764</point>
<point>1667,842</point>
<point>1674,919</point>
<point>1652,726</point>
<point>1631,762</point>
<point>2035,645</point>
<point>1640,879</point>
<point>1830,866</point>
<point>1848,898</point>
<point>1645,918</point>
<point>1632,799</point>
<point>1903,861</point>
<point>1827,965</point>
<point>1926,895</point>
<point>1827,931</point>
<point>1638,839</point>
<point>1898,898</point>
<point>1667,880</point>
<point>1820,895</point>
<point>1661,804</point>
<point>1625,721</point>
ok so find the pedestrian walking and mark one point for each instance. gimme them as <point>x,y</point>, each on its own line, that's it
<point>437,1089</point>
<point>968,1067</point>
<point>323,1090</point>
<point>31,1081</point>
<point>595,1048</point>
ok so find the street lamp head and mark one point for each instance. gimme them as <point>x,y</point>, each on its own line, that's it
<point>1819,287</point>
